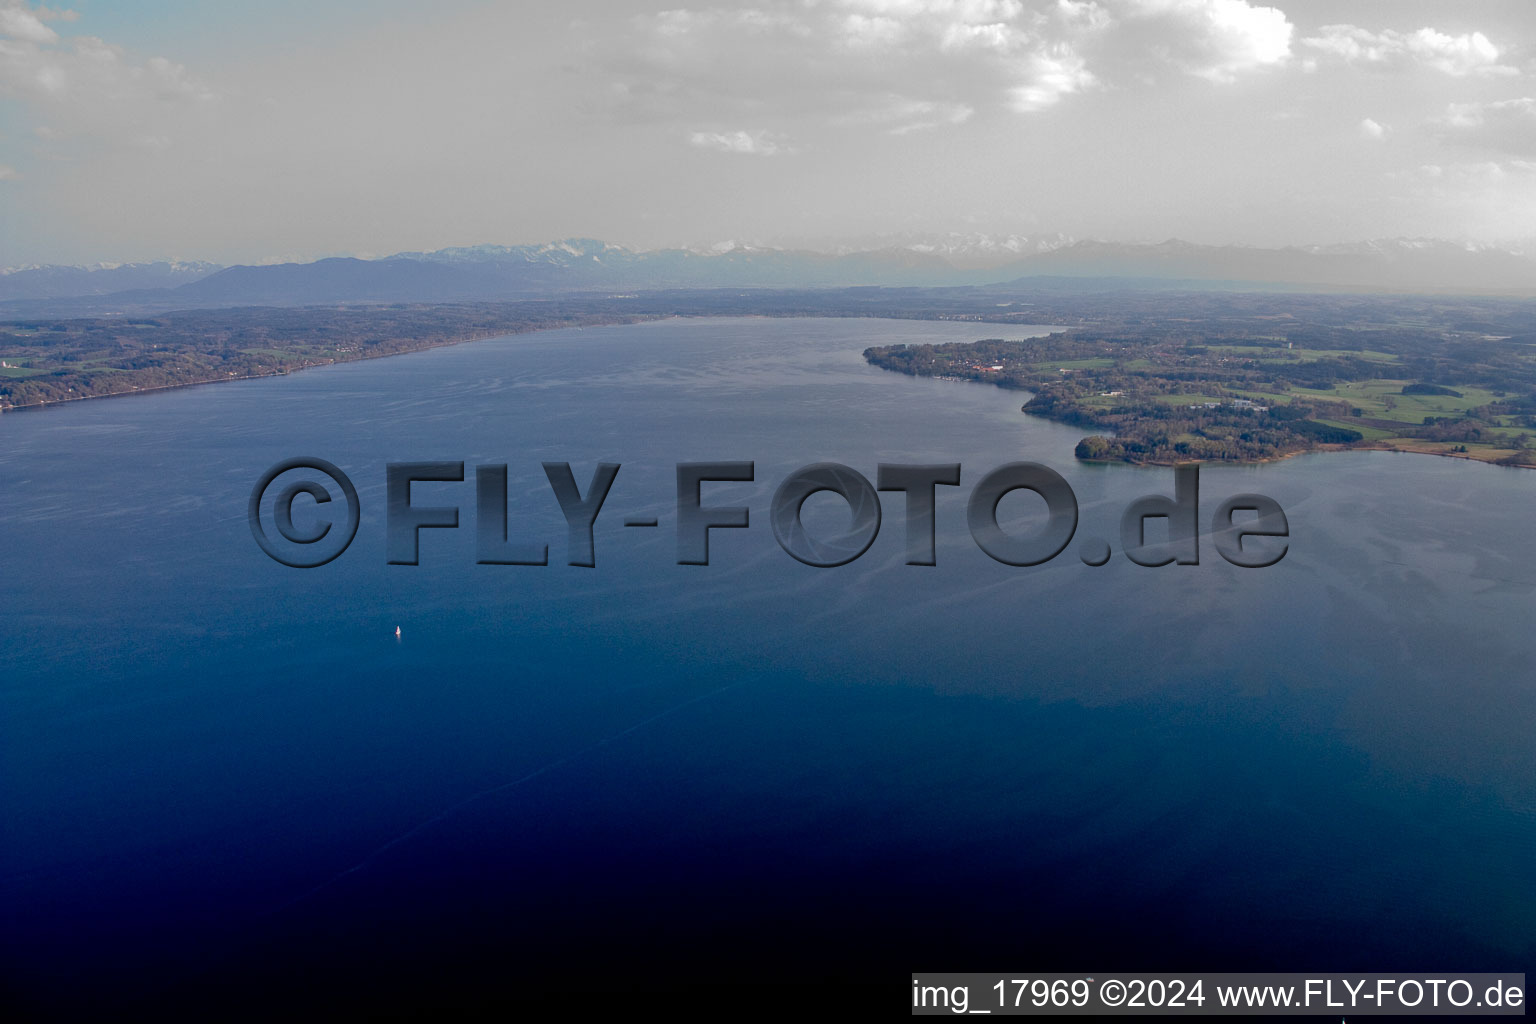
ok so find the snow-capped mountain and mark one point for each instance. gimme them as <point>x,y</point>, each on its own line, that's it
<point>495,272</point>
<point>47,282</point>
<point>961,249</point>
<point>563,253</point>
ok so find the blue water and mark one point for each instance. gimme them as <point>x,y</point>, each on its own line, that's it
<point>225,782</point>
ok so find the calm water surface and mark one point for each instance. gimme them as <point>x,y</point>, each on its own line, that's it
<point>220,775</point>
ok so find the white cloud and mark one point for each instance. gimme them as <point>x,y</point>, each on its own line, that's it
<point>85,87</point>
<point>1214,39</point>
<point>1097,117</point>
<point>996,37</point>
<point>1051,76</point>
<point>910,65</point>
<point>8,173</point>
<point>901,115</point>
<point>1471,53</point>
<point>973,11</point>
<point>918,26</point>
<point>862,32</point>
<point>1508,126</point>
<point>752,143</point>
<point>23,25</point>
<point>84,70</point>
<point>1083,14</point>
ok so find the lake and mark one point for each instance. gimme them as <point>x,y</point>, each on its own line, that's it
<point>227,782</point>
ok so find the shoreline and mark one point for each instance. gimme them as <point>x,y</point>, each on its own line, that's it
<point>285,371</point>
<point>39,406</point>
<point>1379,445</point>
<point>633,319</point>
<point>1358,446</point>
<point>1364,446</point>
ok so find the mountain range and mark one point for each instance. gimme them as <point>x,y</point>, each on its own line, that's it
<point>583,265</point>
<point>54,282</point>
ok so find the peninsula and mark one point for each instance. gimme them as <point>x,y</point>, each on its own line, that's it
<point>1248,381</point>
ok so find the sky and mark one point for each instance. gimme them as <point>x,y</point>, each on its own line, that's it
<point>275,130</point>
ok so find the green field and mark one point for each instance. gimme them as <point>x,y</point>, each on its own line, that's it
<point>1170,390</point>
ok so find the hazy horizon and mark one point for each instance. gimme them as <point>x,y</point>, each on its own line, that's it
<point>179,130</point>
<point>975,250</point>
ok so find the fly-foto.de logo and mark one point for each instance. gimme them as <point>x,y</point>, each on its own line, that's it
<point>1247,530</point>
